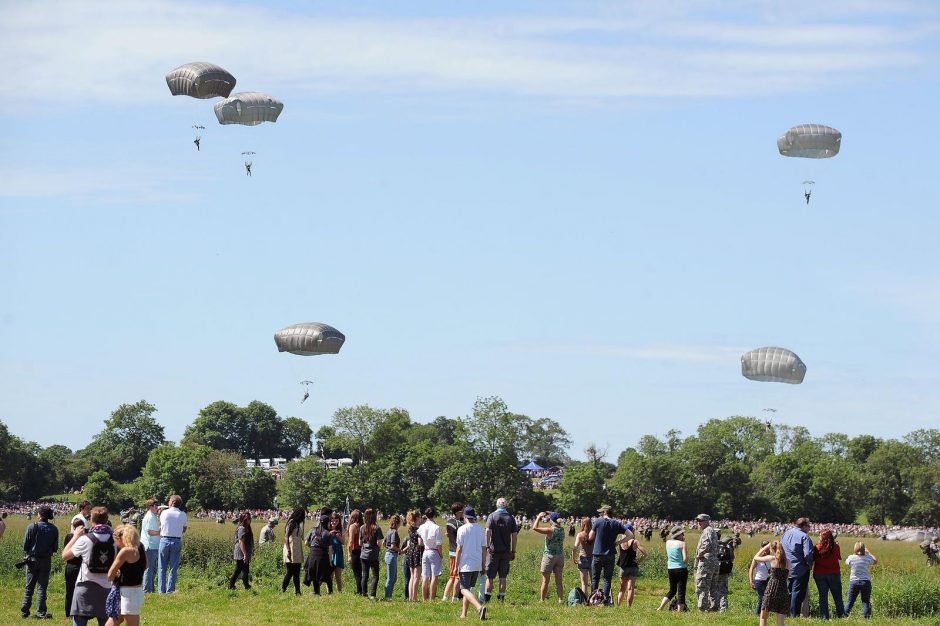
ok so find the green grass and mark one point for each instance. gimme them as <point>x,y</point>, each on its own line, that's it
<point>902,587</point>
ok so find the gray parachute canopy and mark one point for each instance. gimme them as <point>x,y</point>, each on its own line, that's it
<point>309,339</point>
<point>773,365</point>
<point>811,141</point>
<point>200,80</point>
<point>249,108</point>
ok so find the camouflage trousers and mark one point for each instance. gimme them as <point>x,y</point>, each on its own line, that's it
<point>706,588</point>
<point>721,585</point>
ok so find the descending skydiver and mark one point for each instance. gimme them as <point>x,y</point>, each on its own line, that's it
<point>247,169</point>
<point>196,141</point>
<point>807,195</point>
<point>306,395</point>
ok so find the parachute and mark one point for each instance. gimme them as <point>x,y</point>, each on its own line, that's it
<point>810,141</point>
<point>309,339</point>
<point>200,80</point>
<point>773,365</point>
<point>249,108</point>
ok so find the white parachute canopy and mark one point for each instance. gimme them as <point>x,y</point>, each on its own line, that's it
<point>773,365</point>
<point>249,108</point>
<point>200,80</point>
<point>810,141</point>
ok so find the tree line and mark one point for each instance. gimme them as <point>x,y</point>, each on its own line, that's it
<point>737,468</point>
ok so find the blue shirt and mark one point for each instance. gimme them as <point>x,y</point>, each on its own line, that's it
<point>41,540</point>
<point>605,535</point>
<point>799,550</point>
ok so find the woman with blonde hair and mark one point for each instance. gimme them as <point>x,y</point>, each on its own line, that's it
<point>581,554</point>
<point>414,550</point>
<point>127,574</point>
<point>860,578</point>
<point>776,596</point>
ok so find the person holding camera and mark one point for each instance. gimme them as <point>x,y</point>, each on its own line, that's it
<point>40,542</point>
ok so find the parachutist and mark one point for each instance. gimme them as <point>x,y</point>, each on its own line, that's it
<point>247,169</point>
<point>196,141</point>
<point>807,194</point>
<point>306,395</point>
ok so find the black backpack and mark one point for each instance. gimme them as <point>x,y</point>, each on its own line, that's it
<point>725,557</point>
<point>102,554</point>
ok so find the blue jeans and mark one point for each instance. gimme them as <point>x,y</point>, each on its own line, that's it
<point>391,563</point>
<point>170,548</point>
<point>37,575</point>
<point>859,587</point>
<point>797,586</point>
<point>406,571</point>
<point>602,564</point>
<point>826,584</point>
<point>760,586</point>
<point>150,574</point>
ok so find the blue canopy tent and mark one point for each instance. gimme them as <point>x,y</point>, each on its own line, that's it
<point>532,466</point>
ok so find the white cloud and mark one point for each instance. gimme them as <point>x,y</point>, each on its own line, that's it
<point>107,51</point>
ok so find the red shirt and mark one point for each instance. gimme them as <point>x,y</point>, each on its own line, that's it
<point>828,564</point>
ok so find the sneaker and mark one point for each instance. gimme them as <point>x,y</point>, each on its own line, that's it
<point>482,613</point>
<point>25,614</point>
<point>43,615</point>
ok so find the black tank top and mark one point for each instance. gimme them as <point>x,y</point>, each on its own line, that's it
<point>628,557</point>
<point>132,574</point>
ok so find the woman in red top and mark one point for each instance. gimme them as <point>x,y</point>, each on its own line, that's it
<point>826,561</point>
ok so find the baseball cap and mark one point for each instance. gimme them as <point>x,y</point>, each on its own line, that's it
<point>554,516</point>
<point>606,507</point>
<point>272,520</point>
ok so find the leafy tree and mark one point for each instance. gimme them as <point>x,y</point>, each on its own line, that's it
<point>889,470</point>
<point>581,489</point>
<point>220,425</point>
<point>354,429</point>
<point>926,441</point>
<point>129,435</point>
<point>102,491</point>
<point>296,438</point>
<point>545,442</point>
<point>256,488</point>
<point>303,483</point>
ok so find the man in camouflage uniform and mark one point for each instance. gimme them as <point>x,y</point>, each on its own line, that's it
<point>706,569</point>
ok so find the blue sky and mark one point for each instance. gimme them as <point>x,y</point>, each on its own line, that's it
<point>576,206</point>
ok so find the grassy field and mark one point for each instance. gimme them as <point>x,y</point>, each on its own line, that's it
<point>903,588</point>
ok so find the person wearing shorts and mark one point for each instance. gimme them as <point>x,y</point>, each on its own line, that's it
<point>502,532</point>
<point>553,555</point>
<point>430,534</point>
<point>471,551</point>
<point>452,589</point>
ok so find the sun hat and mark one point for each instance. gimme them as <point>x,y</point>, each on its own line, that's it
<point>677,531</point>
<point>272,520</point>
<point>606,508</point>
<point>469,513</point>
<point>703,517</point>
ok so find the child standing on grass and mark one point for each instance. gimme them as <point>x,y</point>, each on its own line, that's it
<point>776,596</point>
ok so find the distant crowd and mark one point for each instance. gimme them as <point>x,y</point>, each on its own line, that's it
<point>109,569</point>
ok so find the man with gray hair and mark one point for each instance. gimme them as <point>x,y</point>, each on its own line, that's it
<point>501,534</point>
<point>706,565</point>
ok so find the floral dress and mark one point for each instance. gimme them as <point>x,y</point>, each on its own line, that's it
<point>776,596</point>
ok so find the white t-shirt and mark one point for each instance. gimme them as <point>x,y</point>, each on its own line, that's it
<point>172,523</point>
<point>84,521</point>
<point>430,532</point>
<point>82,548</point>
<point>470,538</point>
<point>860,565</point>
<point>762,570</point>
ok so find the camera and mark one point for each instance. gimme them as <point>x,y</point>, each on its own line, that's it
<point>22,563</point>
